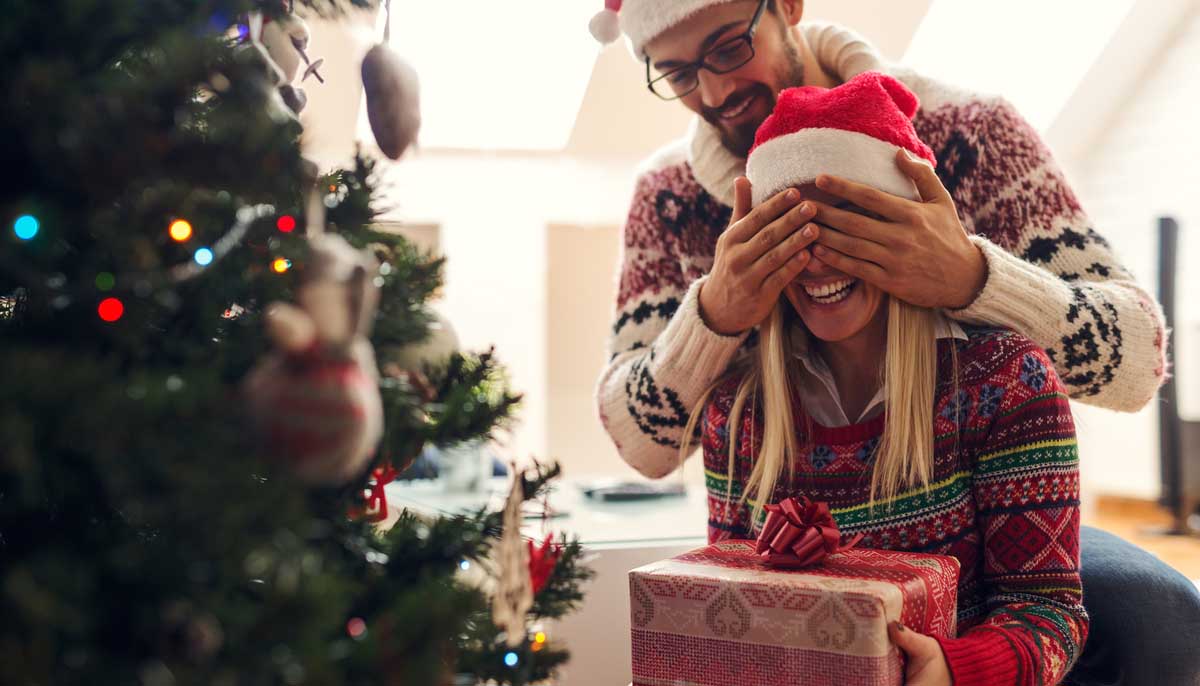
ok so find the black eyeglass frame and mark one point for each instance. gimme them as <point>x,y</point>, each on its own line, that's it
<point>747,36</point>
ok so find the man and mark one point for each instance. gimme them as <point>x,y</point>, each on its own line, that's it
<point>999,239</point>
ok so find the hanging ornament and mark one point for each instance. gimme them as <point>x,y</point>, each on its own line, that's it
<point>393,101</point>
<point>283,42</point>
<point>315,400</point>
<point>542,561</point>
<point>514,592</point>
<point>375,508</point>
<point>286,41</point>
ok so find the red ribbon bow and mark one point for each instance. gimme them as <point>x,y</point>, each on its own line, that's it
<point>799,533</point>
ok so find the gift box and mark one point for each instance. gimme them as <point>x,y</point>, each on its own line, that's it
<point>722,616</point>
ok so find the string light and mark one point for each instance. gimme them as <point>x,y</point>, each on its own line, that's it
<point>180,230</point>
<point>356,627</point>
<point>105,281</point>
<point>280,265</point>
<point>203,257</point>
<point>539,637</point>
<point>110,309</point>
<point>26,227</point>
<point>510,659</point>
<point>464,565</point>
<point>286,223</point>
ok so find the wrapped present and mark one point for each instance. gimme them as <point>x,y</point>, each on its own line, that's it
<point>737,613</point>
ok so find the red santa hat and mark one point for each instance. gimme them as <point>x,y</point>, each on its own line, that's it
<point>642,20</point>
<point>852,131</point>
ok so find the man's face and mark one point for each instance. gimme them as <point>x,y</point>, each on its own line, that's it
<point>735,103</point>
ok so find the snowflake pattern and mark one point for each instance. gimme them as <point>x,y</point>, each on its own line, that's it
<point>1033,372</point>
<point>958,408</point>
<point>821,457</point>
<point>989,400</point>
<point>866,452</point>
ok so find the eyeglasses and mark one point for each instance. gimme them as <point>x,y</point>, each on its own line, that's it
<point>719,59</point>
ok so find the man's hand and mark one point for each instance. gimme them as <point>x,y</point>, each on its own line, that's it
<point>917,251</point>
<point>925,663</point>
<point>761,252</point>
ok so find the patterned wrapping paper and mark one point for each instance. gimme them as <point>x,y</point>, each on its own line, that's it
<point>718,616</point>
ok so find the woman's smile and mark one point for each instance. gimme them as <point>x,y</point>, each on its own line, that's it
<point>830,292</point>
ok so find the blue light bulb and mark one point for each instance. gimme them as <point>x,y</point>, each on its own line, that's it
<point>510,659</point>
<point>26,227</point>
<point>203,257</point>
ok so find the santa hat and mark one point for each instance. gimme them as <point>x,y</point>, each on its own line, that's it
<point>642,20</point>
<point>852,131</point>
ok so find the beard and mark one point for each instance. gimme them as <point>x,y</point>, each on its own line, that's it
<point>739,138</point>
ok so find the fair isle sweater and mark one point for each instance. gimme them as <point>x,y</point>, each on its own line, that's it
<point>1051,276</point>
<point>1004,500</point>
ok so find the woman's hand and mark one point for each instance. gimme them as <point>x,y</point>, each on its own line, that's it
<point>926,665</point>
<point>757,256</point>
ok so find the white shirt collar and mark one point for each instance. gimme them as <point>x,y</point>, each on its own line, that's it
<point>820,398</point>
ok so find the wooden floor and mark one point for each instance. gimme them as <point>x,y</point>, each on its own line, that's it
<point>1134,519</point>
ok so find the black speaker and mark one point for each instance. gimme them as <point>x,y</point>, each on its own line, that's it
<point>1178,440</point>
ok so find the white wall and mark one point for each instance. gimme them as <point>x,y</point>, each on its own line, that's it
<point>494,212</point>
<point>1143,164</point>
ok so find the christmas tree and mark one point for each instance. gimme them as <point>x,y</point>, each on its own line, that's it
<point>163,519</point>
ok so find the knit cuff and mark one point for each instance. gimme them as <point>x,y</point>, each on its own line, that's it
<point>980,658</point>
<point>688,345</point>
<point>1016,294</point>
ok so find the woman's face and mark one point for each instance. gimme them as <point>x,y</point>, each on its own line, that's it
<point>834,306</point>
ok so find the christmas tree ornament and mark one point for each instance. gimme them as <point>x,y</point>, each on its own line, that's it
<point>392,91</point>
<point>542,560</point>
<point>375,506</point>
<point>514,591</point>
<point>315,400</point>
<point>286,40</point>
<point>283,43</point>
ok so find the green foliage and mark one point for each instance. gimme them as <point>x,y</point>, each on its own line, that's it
<point>144,536</point>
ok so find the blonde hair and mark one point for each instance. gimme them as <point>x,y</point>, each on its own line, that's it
<point>770,377</point>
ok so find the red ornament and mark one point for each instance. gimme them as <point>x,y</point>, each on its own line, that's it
<point>542,561</point>
<point>799,533</point>
<point>376,509</point>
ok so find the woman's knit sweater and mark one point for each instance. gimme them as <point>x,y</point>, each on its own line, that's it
<point>1004,500</point>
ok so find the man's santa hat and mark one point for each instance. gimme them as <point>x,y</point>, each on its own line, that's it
<point>852,131</point>
<point>642,20</point>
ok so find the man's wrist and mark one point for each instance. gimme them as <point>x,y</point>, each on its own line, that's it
<point>705,314</point>
<point>976,280</point>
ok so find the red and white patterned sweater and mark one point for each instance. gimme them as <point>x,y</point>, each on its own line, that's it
<point>1003,499</point>
<point>1051,276</point>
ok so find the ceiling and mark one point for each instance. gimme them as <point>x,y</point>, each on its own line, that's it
<point>539,83</point>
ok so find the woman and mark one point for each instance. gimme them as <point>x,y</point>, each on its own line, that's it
<point>919,434</point>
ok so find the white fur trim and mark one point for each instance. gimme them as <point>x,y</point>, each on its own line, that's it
<point>605,26</point>
<point>797,158</point>
<point>840,52</point>
<point>643,20</point>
